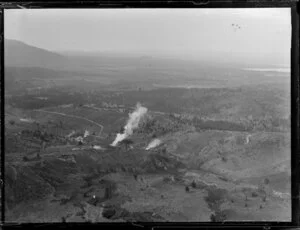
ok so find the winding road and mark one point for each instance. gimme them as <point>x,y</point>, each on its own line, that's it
<point>74,116</point>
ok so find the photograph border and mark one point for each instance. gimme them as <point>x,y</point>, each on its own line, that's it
<point>295,114</point>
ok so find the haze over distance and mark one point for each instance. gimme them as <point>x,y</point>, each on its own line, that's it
<point>258,35</point>
<point>147,115</point>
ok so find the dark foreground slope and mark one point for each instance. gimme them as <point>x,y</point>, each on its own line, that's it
<point>205,175</point>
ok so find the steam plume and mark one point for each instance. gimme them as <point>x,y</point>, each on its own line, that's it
<point>153,144</point>
<point>247,138</point>
<point>132,123</point>
<point>86,133</point>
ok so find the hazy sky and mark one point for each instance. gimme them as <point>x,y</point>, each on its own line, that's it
<point>184,32</point>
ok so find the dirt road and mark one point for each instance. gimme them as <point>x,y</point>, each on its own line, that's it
<point>74,116</point>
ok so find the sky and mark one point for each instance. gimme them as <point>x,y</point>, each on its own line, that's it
<point>257,33</point>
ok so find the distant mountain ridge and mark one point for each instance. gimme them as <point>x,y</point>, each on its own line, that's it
<point>20,54</point>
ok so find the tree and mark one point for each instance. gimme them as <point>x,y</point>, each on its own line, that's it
<point>108,192</point>
<point>194,185</point>
<point>187,189</point>
<point>42,148</point>
<point>254,194</point>
<point>215,197</point>
<point>11,122</point>
<point>219,216</point>
<point>213,218</point>
<point>224,159</point>
<point>122,129</point>
<point>127,143</point>
<point>266,181</point>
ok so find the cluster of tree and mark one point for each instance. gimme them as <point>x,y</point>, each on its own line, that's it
<point>32,101</point>
<point>38,134</point>
<point>200,123</point>
<point>157,127</point>
<point>267,123</point>
<point>218,216</point>
<point>215,197</point>
<point>126,143</point>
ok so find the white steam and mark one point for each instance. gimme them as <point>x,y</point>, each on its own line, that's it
<point>247,139</point>
<point>132,123</point>
<point>153,144</point>
<point>98,147</point>
<point>70,134</point>
<point>86,133</point>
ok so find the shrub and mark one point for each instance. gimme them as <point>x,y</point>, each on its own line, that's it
<point>224,159</point>
<point>25,158</point>
<point>266,181</point>
<point>219,216</point>
<point>12,122</point>
<point>215,197</point>
<point>254,194</point>
<point>194,185</point>
<point>187,189</point>
<point>109,213</point>
<point>163,150</point>
<point>213,218</point>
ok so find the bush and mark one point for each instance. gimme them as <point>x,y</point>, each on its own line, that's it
<point>164,150</point>
<point>25,158</point>
<point>215,197</point>
<point>187,189</point>
<point>219,216</point>
<point>254,194</point>
<point>12,122</point>
<point>108,213</point>
<point>266,181</point>
<point>224,159</point>
<point>194,185</point>
<point>213,218</point>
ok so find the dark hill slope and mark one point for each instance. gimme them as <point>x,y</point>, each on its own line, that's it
<point>19,54</point>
